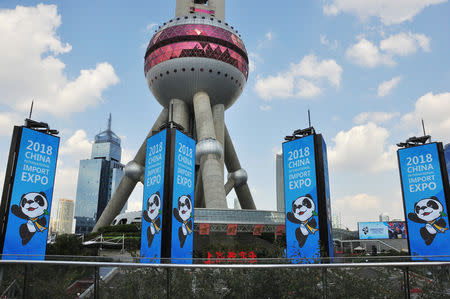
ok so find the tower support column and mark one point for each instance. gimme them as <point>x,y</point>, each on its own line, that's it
<point>130,179</point>
<point>179,113</point>
<point>237,174</point>
<point>209,151</point>
<point>218,112</point>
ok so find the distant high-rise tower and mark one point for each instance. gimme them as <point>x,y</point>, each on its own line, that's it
<point>65,216</point>
<point>279,178</point>
<point>97,179</point>
<point>383,217</point>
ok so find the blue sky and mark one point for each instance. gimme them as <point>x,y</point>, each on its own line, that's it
<point>368,70</point>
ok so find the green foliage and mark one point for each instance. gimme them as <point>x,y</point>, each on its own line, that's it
<point>365,283</point>
<point>66,245</point>
<point>121,228</point>
<point>115,230</point>
<point>44,281</point>
<point>136,283</point>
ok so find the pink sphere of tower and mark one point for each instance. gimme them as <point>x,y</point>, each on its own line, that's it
<point>195,53</point>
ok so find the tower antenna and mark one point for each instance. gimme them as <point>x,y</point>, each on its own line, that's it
<point>31,109</point>
<point>423,128</point>
<point>109,122</point>
<point>309,118</point>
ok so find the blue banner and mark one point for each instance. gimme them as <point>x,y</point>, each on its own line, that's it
<point>300,190</point>
<point>152,205</point>
<point>382,230</point>
<point>327,196</point>
<point>424,201</point>
<point>183,199</point>
<point>31,197</point>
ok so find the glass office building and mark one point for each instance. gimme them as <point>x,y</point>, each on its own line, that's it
<point>97,179</point>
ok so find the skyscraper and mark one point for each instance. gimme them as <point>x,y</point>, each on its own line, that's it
<point>65,216</point>
<point>97,179</point>
<point>279,177</point>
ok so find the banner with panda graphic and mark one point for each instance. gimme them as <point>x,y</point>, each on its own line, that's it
<point>183,199</point>
<point>31,197</point>
<point>300,189</point>
<point>424,201</point>
<point>152,205</point>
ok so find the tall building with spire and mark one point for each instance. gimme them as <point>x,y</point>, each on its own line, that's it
<point>97,179</point>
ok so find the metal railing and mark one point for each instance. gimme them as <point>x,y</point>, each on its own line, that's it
<point>361,277</point>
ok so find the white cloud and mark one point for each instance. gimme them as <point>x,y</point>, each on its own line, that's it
<point>386,87</point>
<point>128,155</point>
<point>307,89</point>
<point>365,53</point>
<point>435,110</point>
<point>7,122</point>
<point>252,59</point>
<point>293,84</point>
<point>30,46</point>
<point>357,208</point>
<point>77,146</point>
<point>389,11</point>
<point>265,107</point>
<point>310,67</point>
<point>375,117</point>
<point>66,179</point>
<point>268,37</point>
<point>277,150</point>
<point>149,28</point>
<point>324,41</point>
<point>404,44</point>
<point>362,149</point>
<point>280,86</point>
<point>134,202</point>
<point>74,149</point>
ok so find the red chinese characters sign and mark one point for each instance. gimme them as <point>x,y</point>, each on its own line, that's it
<point>231,257</point>
<point>232,230</point>
<point>204,229</point>
<point>257,229</point>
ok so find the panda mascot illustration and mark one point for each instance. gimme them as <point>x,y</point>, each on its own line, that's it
<point>33,208</point>
<point>365,230</point>
<point>429,211</point>
<point>183,214</point>
<point>151,215</point>
<point>303,212</point>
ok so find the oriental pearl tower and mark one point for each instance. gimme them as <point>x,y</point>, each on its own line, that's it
<point>196,66</point>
